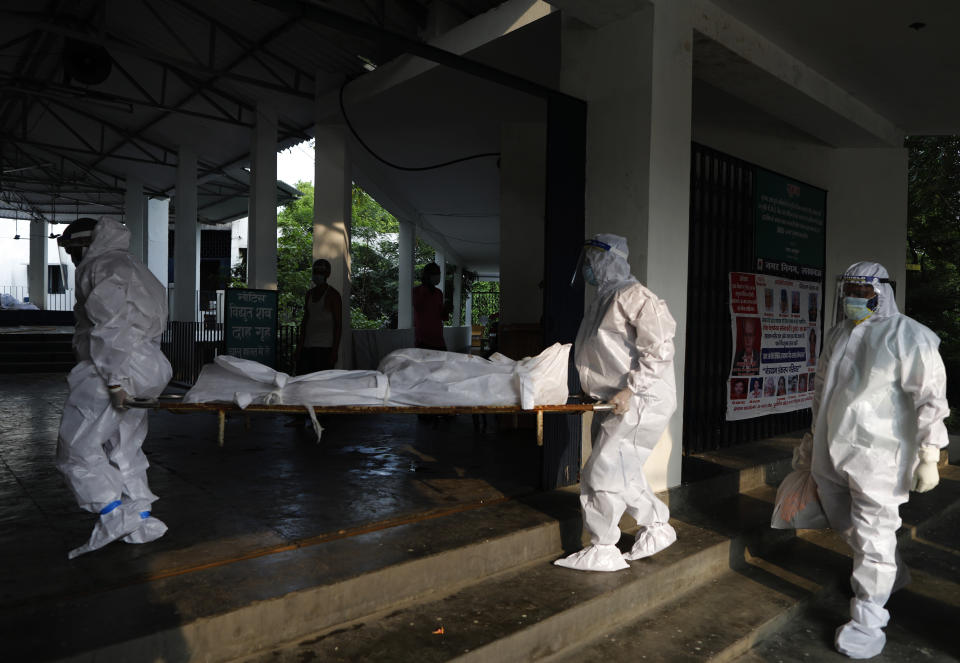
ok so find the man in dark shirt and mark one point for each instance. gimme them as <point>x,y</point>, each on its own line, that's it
<point>429,310</point>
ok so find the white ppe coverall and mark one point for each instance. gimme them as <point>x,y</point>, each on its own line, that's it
<point>624,350</point>
<point>879,399</point>
<point>121,312</point>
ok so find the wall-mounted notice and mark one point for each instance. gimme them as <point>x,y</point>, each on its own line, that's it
<point>250,324</point>
<point>790,220</point>
<point>775,344</point>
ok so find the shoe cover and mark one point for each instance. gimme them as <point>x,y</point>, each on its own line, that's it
<point>859,641</point>
<point>651,540</point>
<point>595,558</point>
<point>113,525</point>
<point>150,529</point>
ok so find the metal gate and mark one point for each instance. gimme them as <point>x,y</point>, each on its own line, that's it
<point>721,241</point>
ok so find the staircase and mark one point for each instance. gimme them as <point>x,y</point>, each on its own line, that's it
<point>36,352</point>
<point>477,584</point>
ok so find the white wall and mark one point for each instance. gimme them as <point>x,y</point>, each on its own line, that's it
<point>15,256</point>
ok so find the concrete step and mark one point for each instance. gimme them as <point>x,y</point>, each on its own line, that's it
<point>260,599</point>
<point>775,597</point>
<point>36,353</point>
<point>539,609</point>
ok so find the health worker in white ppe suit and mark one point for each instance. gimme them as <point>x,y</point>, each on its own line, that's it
<point>877,431</point>
<point>121,312</point>
<point>624,355</point>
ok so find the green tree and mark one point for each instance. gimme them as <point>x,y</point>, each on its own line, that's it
<point>933,244</point>
<point>294,254</point>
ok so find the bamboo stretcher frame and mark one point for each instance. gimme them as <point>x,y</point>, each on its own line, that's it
<point>174,404</point>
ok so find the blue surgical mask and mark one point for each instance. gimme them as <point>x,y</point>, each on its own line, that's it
<point>856,308</point>
<point>589,276</point>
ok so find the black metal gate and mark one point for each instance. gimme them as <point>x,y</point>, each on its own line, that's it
<point>721,241</point>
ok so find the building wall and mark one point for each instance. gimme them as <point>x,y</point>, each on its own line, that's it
<point>522,188</point>
<point>866,188</point>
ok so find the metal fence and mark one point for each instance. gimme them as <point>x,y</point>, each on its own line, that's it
<point>721,241</point>
<point>190,345</point>
<point>54,301</point>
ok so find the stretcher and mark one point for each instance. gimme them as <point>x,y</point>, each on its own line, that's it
<point>174,403</point>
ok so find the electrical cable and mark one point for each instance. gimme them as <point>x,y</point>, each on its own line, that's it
<point>376,156</point>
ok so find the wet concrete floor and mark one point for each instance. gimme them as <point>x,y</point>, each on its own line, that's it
<point>270,486</point>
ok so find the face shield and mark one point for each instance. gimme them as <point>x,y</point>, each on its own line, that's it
<point>858,296</point>
<point>76,243</point>
<point>591,248</point>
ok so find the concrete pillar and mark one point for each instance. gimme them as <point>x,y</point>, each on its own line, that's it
<point>331,220</point>
<point>468,313</point>
<point>523,149</point>
<point>262,220</point>
<point>638,160</point>
<point>457,294</point>
<point>405,279</point>
<point>668,211</point>
<point>157,239</point>
<point>133,213</point>
<point>186,238</point>
<point>442,262</point>
<point>37,267</point>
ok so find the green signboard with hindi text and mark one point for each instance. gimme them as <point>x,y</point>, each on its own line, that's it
<point>790,220</point>
<point>250,325</point>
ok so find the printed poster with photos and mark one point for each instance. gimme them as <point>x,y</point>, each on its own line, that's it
<point>776,342</point>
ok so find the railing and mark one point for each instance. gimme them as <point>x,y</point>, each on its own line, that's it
<point>190,345</point>
<point>208,305</point>
<point>60,301</point>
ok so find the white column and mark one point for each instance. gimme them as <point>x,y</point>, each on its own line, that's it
<point>37,267</point>
<point>405,276</point>
<point>158,238</point>
<point>133,213</point>
<point>457,293</point>
<point>668,210</point>
<point>442,262</point>
<point>186,239</point>
<point>331,220</point>
<point>262,221</point>
<point>468,314</point>
<point>638,161</point>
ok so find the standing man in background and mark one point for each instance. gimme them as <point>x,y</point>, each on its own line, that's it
<point>319,344</point>
<point>429,310</point>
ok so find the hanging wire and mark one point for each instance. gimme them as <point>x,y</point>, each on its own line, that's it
<point>376,156</point>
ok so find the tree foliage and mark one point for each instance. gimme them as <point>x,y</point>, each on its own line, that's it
<point>294,254</point>
<point>374,251</point>
<point>933,244</point>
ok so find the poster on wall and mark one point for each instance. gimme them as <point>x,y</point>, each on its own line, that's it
<point>776,341</point>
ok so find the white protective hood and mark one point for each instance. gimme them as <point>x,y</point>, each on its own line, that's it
<point>121,313</point>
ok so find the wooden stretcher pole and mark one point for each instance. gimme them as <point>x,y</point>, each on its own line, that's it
<point>539,428</point>
<point>221,421</point>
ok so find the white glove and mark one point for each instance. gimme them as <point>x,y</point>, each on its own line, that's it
<point>926,476</point>
<point>621,401</point>
<point>118,397</point>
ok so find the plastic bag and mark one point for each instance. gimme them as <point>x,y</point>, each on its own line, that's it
<point>797,505</point>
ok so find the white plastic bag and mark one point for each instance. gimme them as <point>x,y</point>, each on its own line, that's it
<point>797,505</point>
<point>433,377</point>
